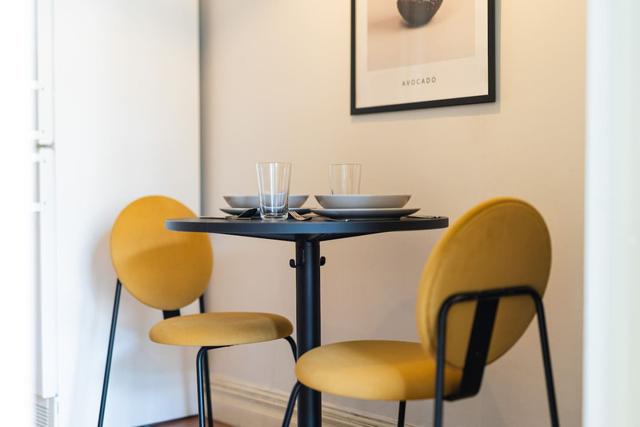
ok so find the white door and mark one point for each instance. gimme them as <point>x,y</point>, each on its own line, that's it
<point>126,124</point>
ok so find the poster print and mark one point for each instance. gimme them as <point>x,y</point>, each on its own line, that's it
<point>410,54</point>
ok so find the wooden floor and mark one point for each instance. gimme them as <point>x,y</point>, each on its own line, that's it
<point>186,422</point>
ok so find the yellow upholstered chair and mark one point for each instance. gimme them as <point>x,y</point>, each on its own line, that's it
<point>480,289</point>
<point>168,270</point>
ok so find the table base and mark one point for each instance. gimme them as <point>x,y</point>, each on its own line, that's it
<point>307,267</point>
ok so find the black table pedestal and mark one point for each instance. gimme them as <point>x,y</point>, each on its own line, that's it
<point>308,322</point>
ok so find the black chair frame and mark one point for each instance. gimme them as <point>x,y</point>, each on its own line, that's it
<point>479,341</point>
<point>477,350</point>
<point>202,363</point>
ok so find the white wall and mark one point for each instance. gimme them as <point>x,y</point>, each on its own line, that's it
<point>612,377</point>
<point>126,125</point>
<point>276,86</point>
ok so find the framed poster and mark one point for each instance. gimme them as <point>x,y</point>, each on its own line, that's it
<point>410,54</point>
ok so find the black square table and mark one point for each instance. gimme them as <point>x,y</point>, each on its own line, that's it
<point>307,236</point>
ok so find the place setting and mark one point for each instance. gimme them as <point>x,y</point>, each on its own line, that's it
<point>273,201</point>
<point>344,203</point>
<point>248,207</point>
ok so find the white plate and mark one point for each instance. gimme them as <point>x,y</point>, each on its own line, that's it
<point>362,201</point>
<point>238,211</point>
<point>365,213</point>
<point>248,202</point>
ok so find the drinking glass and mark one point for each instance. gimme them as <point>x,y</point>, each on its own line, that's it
<point>273,186</point>
<point>345,178</point>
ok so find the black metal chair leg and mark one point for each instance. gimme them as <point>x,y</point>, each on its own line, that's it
<point>546,358</point>
<point>202,354</point>
<point>291,404</point>
<point>207,388</point>
<point>438,412</point>
<point>201,305</point>
<point>107,367</point>
<point>294,347</point>
<point>402,406</point>
<point>296,388</point>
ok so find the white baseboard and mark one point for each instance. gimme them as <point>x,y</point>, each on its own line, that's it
<point>246,405</point>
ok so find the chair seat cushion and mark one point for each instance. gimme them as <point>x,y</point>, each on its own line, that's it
<point>220,329</point>
<point>375,370</point>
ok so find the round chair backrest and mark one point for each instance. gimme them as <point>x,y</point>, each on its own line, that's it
<point>500,243</point>
<point>163,269</point>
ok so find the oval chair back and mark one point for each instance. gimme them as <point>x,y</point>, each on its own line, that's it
<point>501,243</point>
<point>163,269</point>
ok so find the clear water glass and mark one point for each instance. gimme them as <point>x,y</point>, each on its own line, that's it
<point>273,186</point>
<point>345,178</point>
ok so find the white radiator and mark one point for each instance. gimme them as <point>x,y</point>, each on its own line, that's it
<point>46,412</point>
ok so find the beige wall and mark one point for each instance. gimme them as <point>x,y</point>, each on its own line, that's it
<point>276,86</point>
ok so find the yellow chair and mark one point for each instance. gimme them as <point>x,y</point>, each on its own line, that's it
<point>168,270</point>
<point>480,289</point>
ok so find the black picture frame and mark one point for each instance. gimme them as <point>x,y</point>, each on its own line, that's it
<point>491,74</point>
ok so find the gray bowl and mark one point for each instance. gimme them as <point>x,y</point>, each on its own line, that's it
<point>362,201</point>
<point>247,202</point>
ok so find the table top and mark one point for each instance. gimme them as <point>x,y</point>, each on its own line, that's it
<point>318,228</point>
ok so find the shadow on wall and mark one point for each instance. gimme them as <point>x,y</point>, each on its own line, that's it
<point>472,110</point>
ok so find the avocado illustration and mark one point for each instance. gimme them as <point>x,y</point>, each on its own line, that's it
<point>418,12</point>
